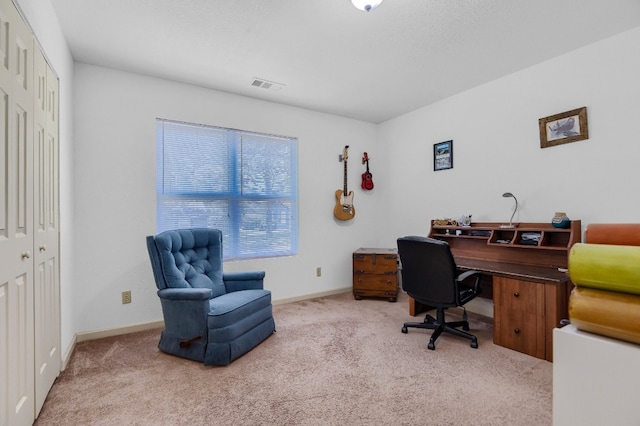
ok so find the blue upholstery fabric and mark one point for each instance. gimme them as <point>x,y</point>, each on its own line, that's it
<point>191,258</point>
<point>209,316</point>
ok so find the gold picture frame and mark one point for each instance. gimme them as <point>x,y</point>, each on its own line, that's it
<point>558,129</point>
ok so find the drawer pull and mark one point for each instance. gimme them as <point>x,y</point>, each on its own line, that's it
<point>516,294</point>
<point>516,330</point>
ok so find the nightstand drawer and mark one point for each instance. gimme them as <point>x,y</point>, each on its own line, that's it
<point>375,282</point>
<point>375,263</point>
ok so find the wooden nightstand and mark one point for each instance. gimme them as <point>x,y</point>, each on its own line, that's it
<point>375,273</point>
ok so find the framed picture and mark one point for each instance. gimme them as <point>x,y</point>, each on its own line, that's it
<point>443,155</point>
<point>570,126</point>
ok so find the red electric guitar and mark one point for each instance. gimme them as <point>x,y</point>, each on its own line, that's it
<point>367,178</point>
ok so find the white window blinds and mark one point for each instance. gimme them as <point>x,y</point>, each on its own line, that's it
<point>243,183</point>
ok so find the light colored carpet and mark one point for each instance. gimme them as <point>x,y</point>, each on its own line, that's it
<point>333,361</point>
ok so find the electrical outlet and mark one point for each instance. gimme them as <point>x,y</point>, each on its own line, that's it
<point>318,271</point>
<point>126,297</point>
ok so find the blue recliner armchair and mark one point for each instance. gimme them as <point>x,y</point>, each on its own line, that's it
<point>209,316</point>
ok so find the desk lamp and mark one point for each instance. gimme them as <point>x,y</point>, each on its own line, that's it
<point>510,225</point>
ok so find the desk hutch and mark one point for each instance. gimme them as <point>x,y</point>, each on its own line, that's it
<point>527,270</point>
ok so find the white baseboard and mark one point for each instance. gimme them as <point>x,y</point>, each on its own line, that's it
<point>116,331</point>
<point>481,306</point>
<point>313,296</point>
<point>67,355</point>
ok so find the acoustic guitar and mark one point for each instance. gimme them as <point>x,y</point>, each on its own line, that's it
<point>367,178</point>
<point>344,209</point>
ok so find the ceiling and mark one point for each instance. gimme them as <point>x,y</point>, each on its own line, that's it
<point>328,56</point>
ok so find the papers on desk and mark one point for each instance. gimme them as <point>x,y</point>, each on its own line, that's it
<point>530,238</point>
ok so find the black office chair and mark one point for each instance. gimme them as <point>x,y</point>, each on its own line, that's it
<point>430,276</point>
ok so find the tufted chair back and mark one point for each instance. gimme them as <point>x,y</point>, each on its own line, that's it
<point>188,258</point>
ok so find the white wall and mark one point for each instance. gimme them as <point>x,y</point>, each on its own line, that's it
<point>107,168</point>
<point>115,116</point>
<point>45,26</point>
<point>496,146</point>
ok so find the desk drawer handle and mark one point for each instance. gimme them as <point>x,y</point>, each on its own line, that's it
<point>516,294</point>
<point>516,330</point>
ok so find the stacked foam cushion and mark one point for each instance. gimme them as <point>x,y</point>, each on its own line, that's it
<point>606,272</point>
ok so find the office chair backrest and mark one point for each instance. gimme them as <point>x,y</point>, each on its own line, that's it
<point>428,270</point>
<point>187,258</point>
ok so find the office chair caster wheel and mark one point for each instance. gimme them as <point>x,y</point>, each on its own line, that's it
<point>474,344</point>
<point>431,346</point>
<point>405,330</point>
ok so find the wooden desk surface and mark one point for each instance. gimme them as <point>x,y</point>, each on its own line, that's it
<point>513,270</point>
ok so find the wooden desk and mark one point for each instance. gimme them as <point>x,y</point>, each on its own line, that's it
<point>530,294</point>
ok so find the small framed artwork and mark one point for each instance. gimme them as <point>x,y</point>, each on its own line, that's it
<point>443,156</point>
<point>570,126</point>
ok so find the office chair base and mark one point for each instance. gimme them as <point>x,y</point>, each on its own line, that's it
<point>440,326</point>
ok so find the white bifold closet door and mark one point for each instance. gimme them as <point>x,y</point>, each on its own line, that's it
<point>46,274</point>
<point>29,271</point>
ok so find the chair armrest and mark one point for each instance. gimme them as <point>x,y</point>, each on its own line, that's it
<point>185,294</point>
<point>185,312</point>
<point>470,274</point>
<point>236,281</point>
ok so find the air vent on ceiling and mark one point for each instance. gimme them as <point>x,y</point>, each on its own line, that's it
<point>266,84</point>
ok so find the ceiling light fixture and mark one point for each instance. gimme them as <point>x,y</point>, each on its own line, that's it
<point>366,5</point>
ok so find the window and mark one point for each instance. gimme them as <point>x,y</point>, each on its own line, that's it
<point>243,183</point>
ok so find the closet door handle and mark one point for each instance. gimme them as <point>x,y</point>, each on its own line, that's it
<point>26,254</point>
<point>43,247</point>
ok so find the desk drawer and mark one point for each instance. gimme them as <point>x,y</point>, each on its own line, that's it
<point>521,331</point>
<point>519,316</point>
<point>523,296</point>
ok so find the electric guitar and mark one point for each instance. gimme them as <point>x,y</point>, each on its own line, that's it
<point>344,209</point>
<point>367,178</point>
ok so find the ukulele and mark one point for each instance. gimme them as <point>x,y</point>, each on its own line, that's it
<point>367,178</point>
<point>344,209</point>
